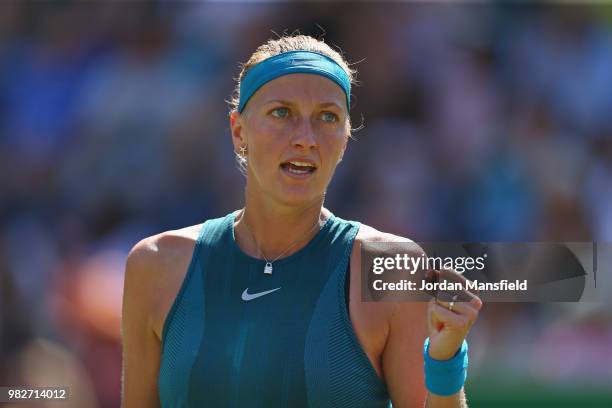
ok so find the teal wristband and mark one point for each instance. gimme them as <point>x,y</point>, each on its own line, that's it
<point>445,377</point>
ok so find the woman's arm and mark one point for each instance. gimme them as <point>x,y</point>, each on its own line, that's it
<point>141,346</point>
<point>458,323</point>
<point>409,325</point>
<point>403,361</point>
<point>402,357</point>
<point>454,401</point>
<point>447,330</point>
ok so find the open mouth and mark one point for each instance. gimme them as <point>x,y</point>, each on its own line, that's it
<point>298,168</point>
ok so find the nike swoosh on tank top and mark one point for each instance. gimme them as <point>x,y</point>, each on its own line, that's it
<point>294,347</point>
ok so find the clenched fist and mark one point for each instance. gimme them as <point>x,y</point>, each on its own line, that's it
<point>450,314</point>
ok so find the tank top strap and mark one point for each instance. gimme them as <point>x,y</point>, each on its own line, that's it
<point>341,236</point>
<point>214,231</point>
<point>209,233</point>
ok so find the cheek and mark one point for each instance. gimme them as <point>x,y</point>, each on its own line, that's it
<point>335,141</point>
<point>266,144</point>
<point>333,146</point>
<point>268,125</point>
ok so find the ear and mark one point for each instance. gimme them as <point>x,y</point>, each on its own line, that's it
<point>238,139</point>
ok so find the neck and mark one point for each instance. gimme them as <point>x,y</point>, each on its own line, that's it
<point>269,230</point>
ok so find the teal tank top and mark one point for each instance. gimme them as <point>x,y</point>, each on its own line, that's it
<point>293,346</point>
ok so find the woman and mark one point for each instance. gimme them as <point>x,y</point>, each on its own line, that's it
<point>262,307</point>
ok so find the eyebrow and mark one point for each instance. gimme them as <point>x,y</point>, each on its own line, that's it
<point>285,102</point>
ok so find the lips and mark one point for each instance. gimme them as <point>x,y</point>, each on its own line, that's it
<point>299,167</point>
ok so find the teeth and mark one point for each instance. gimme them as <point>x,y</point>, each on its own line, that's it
<point>296,171</point>
<point>301,164</point>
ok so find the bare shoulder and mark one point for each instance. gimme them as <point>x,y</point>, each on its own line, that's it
<point>390,308</point>
<point>154,258</point>
<point>393,244</point>
<point>155,269</point>
<point>370,234</point>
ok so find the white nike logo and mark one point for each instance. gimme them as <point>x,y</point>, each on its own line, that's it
<point>246,296</point>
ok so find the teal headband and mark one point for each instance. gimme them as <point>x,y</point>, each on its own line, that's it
<point>292,62</point>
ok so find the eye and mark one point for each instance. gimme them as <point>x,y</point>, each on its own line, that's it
<point>280,113</point>
<point>329,117</point>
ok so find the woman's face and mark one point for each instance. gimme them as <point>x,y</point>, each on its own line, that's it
<point>295,129</point>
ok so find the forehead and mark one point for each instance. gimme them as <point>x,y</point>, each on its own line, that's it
<point>301,88</point>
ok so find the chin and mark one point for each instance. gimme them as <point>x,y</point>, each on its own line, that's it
<point>292,195</point>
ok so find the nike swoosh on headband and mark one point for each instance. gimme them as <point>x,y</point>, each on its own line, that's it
<point>246,296</point>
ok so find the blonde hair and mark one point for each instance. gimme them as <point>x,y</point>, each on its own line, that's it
<point>272,47</point>
<point>284,44</point>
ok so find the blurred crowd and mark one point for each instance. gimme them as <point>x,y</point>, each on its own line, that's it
<point>478,122</point>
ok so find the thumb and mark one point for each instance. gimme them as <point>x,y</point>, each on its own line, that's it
<point>435,323</point>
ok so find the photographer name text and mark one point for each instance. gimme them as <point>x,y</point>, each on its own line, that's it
<point>407,285</point>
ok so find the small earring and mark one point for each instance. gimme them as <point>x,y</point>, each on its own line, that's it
<point>241,159</point>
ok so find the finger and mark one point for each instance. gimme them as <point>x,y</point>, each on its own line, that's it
<point>432,276</point>
<point>437,277</point>
<point>446,277</point>
<point>456,280</point>
<point>476,302</point>
<point>464,309</point>
<point>449,319</point>
<point>445,298</point>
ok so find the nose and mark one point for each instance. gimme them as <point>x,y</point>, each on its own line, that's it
<point>304,136</point>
